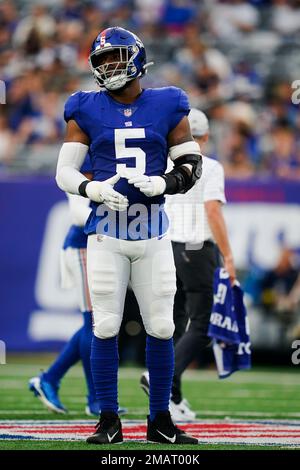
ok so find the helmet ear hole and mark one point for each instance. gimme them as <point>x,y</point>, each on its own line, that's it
<point>95,61</point>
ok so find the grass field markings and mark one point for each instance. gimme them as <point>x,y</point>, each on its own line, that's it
<point>65,422</point>
<point>128,422</point>
<point>247,413</point>
<point>246,393</point>
<point>226,414</point>
<point>253,442</point>
<point>290,447</point>
<point>278,378</point>
<point>278,422</point>
<point>36,412</point>
<point>230,403</point>
<point>215,392</point>
<point>289,381</point>
<point>238,433</point>
<point>139,421</point>
<point>9,383</point>
<point>80,400</point>
<point>25,399</point>
<point>251,401</point>
<point>58,445</point>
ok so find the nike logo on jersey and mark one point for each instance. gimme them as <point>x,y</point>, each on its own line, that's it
<point>170,439</point>
<point>110,438</point>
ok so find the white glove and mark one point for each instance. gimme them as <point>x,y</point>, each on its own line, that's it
<point>102,191</point>
<point>149,185</point>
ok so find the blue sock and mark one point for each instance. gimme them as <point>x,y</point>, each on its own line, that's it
<point>160,363</point>
<point>104,364</point>
<point>85,344</point>
<point>66,359</point>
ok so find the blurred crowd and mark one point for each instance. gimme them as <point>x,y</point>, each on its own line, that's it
<point>236,59</point>
<point>276,291</point>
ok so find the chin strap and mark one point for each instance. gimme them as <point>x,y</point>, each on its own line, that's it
<point>147,65</point>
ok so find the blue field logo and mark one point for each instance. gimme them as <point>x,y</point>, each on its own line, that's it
<point>255,432</point>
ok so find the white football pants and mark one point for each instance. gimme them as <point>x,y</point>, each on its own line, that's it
<point>149,265</point>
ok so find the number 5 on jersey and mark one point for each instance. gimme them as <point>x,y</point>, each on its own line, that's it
<point>121,135</point>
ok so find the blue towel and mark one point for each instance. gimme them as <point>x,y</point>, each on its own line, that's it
<point>229,327</point>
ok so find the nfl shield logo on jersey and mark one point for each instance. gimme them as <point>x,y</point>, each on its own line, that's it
<point>127,112</point>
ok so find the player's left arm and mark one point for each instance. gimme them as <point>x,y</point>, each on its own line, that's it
<point>180,134</point>
<point>186,156</point>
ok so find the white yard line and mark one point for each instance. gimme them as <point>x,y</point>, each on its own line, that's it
<point>126,421</point>
<point>142,411</point>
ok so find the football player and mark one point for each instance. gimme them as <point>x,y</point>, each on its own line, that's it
<point>129,132</point>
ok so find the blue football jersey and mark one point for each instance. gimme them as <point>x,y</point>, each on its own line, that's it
<point>87,165</point>
<point>126,136</point>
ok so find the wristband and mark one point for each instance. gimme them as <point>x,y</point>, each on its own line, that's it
<point>82,188</point>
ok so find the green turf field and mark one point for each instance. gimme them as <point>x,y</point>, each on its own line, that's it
<point>257,394</point>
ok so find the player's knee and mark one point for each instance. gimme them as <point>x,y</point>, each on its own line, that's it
<point>161,328</point>
<point>107,327</point>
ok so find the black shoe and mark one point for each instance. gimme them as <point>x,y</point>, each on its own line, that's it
<point>163,430</point>
<point>144,382</point>
<point>108,430</point>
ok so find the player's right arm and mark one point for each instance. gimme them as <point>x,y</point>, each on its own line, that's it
<point>70,179</point>
<point>71,158</point>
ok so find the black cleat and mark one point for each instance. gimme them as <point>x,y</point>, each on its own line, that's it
<point>108,430</point>
<point>162,430</point>
<point>144,382</point>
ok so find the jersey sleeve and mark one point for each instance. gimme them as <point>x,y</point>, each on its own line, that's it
<point>182,108</point>
<point>71,110</point>
<point>214,185</point>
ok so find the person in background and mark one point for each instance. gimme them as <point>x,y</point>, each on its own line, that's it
<point>73,273</point>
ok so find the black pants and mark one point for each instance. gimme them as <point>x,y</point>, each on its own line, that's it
<point>193,302</point>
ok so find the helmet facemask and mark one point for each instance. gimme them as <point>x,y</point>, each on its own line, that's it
<point>115,74</point>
